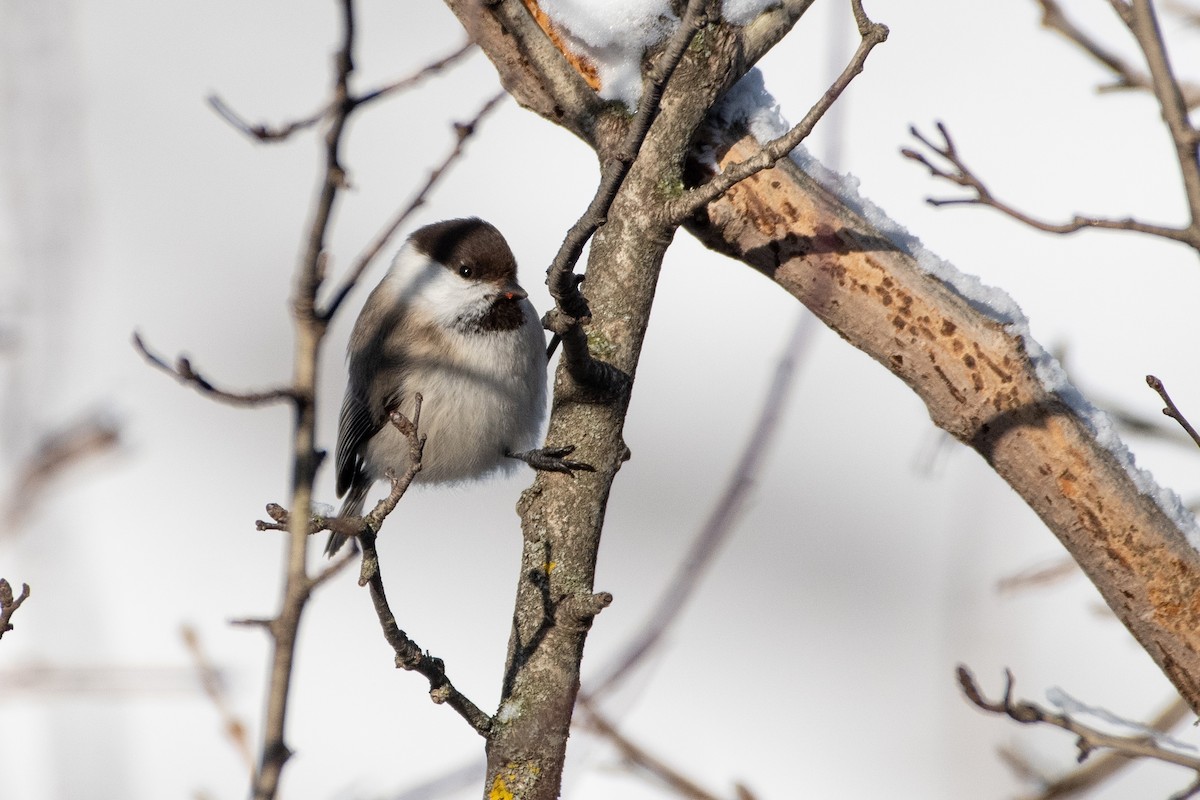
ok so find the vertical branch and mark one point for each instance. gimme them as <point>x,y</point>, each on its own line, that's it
<point>1144,25</point>
<point>310,329</point>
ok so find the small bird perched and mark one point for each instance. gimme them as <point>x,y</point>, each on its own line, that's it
<point>449,321</point>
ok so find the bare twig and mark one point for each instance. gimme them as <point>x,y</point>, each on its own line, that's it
<point>56,453</point>
<point>1172,410</point>
<point>1100,768</point>
<point>276,133</point>
<point>637,756</point>
<point>463,132</point>
<point>871,34</point>
<point>213,685</point>
<point>1125,75</point>
<point>409,655</point>
<point>570,310</point>
<point>959,173</point>
<point>1089,738</point>
<point>1140,18</point>
<point>9,604</point>
<point>1040,575</point>
<point>1143,23</point>
<point>187,375</point>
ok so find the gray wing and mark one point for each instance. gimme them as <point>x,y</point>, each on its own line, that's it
<point>376,364</point>
<point>355,428</point>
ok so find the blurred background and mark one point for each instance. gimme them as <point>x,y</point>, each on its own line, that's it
<point>817,656</point>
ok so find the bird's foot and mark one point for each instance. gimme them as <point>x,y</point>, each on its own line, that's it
<point>552,459</point>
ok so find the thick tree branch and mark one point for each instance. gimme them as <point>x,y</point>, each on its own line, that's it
<point>531,68</point>
<point>979,384</point>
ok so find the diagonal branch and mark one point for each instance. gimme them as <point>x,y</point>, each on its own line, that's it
<point>1126,76</point>
<point>1090,739</point>
<point>871,34</point>
<point>263,132</point>
<point>1143,23</point>
<point>531,68</point>
<point>463,132</point>
<point>1172,410</point>
<point>187,375</point>
<point>958,173</point>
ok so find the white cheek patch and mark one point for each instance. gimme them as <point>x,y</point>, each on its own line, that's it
<point>436,293</point>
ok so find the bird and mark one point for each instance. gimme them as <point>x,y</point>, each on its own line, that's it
<point>450,322</point>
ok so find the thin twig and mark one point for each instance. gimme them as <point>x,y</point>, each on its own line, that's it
<point>1125,75</point>
<point>262,132</point>
<point>463,132</point>
<point>183,372</point>
<point>1089,738</point>
<point>570,310</point>
<point>871,34</point>
<point>214,688</point>
<point>9,604</point>
<point>1143,23</point>
<point>57,452</point>
<point>1101,768</point>
<point>1172,410</point>
<point>409,655</point>
<point>958,173</point>
<point>641,758</point>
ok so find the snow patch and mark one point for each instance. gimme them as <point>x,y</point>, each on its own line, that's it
<point>1077,709</point>
<point>614,35</point>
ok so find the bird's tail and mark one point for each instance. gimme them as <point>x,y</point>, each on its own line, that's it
<point>352,506</point>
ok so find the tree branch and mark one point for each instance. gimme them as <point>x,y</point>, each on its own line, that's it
<point>980,385</point>
<point>1140,18</point>
<point>1172,410</point>
<point>642,759</point>
<point>463,131</point>
<point>263,132</point>
<point>310,330</point>
<point>959,173</point>
<point>1144,25</point>
<point>9,604</point>
<point>183,372</point>
<point>1090,739</point>
<point>1125,75</point>
<point>872,34</point>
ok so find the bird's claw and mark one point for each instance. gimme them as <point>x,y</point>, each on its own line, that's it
<point>553,459</point>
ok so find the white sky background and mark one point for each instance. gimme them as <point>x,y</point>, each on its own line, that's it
<point>817,659</point>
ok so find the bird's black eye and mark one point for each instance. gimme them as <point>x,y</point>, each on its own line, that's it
<point>466,271</point>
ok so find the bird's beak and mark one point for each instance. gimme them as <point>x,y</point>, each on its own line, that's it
<point>511,291</point>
